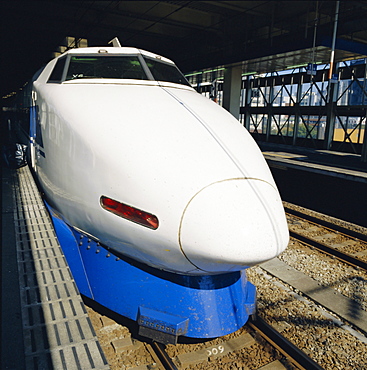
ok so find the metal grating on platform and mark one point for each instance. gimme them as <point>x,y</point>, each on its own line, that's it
<point>57,331</point>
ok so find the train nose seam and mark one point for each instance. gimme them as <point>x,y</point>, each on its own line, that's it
<point>228,153</point>
<point>210,131</point>
<point>201,190</point>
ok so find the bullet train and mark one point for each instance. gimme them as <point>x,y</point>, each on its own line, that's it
<point>160,198</point>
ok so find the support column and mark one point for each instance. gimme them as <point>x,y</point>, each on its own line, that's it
<point>330,118</point>
<point>297,111</point>
<point>232,90</point>
<point>364,145</point>
<point>269,108</point>
<point>248,90</point>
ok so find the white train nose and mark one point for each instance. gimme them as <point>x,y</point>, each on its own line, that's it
<point>232,224</point>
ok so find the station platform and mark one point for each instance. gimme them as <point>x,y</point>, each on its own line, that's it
<point>333,183</point>
<point>337,164</point>
<point>44,322</point>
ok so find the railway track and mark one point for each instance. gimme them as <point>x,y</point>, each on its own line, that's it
<point>337,227</point>
<point>256,346</point>
<point>293,354</point>
<point>289,355</point>
<point>297,328</point>
<point>349,246</point>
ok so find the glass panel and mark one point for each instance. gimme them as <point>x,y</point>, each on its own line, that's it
<point>277,96</point>
<point>320,93</point>
<point>283,125</point>
<point>290,96</point>
<point>356,95</point>
<point>126,67</point>
<point>343,92</point>
<point>260,96</point>
<point>58,70</point>
<point>165,72</point>
<point>349,129</point>
<point>258,123</point>
<point>306,94</point>
<point>311,126</point>
<point>274,125</point>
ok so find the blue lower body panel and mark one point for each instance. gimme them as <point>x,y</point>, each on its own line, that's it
<point>194,306</point>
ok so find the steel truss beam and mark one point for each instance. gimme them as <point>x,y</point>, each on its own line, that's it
<point>294,108</point>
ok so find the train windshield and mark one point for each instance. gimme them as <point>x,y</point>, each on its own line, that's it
<point>105,67</point>
<point>122,67</point>
<point>165,72</point>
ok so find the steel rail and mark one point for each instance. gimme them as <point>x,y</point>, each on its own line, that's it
<point>344,257</point>
<point>330,225</point>
<point>160,350</point>
<point>294,354</point>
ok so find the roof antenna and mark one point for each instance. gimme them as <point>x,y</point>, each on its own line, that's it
<point>115,42</point>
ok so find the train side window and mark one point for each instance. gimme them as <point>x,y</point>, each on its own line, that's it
<point>56,75</point>
<point>167,72</point>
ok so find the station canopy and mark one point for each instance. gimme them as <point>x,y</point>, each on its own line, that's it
<point>263,36</point>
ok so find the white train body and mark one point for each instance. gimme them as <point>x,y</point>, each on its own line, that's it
<point>162,148</point>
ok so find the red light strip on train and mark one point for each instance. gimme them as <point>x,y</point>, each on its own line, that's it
<point>129,213</point>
